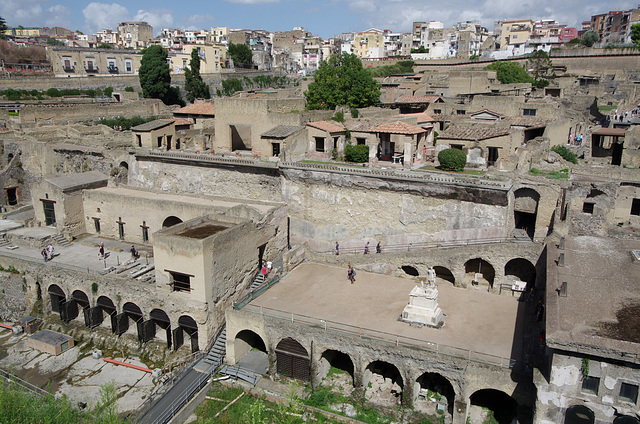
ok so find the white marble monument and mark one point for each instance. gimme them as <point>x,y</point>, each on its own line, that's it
<point>423,304</point>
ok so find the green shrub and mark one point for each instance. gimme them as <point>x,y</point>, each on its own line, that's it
<point>566,154</point>
<point>338,117</point>
<point>108,91</point>
<point>53,92</point>
<point>354,113</point>
<point>356,153</point>
<point>129,89</point>
<point>452,159</point>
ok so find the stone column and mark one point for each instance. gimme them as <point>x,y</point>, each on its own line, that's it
<point>407,389</point>
<point>459,411</point>
<point>358,377</point>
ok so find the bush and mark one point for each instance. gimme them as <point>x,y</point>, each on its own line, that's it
<point>354,113</point>
<point>566,154</point>
<point>358,153</point>
<point>452,159</point>
<point>108,91</point>
<point>129,89</point>
<point>338,117</point>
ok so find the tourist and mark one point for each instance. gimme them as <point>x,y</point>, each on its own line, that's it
<point>366,248</point>
<point>378,248</point>
<point>101,251</point>
<point>50,251</point>
<point>264,272</point>
<point>44,254</point>
<point>269,266</point>
<point>351,274</point>
<point>134,252</point>
<point>337,248</point>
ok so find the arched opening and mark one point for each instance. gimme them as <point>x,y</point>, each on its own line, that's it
<point>579,414</point>
<point>479,272</point>
<point>493,402</point>
<point>107,307</point>
<point>82,300</point>
<point>434,394</point>
<point>188,325</point>
<point>57,297</point>
<point>251,352</point>
<point>525,210</point>
<point>292,359</point>
<point>132,312</point>
<point>124,165</point>
<point>410,270</point>
<point>626,419</point>
<point>9,157</point>
<point>383,383</point>
<point>171,221</point>
<point>445,274</point>
<point>160,319</point>
<point>336,370</point>
<point>522,270</point>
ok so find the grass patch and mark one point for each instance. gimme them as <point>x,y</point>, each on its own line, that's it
<point>464,172</point>
<point>563,174</point>
<point>607,107</point>
<point>359,165</point>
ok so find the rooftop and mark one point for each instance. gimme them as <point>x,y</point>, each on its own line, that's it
<point>203,230</point>
<point>204,108</point>
<point>473,132</point>
<point>399,127</point>
<point>282,131</point>
<point>602,306</point>
<point>78,180</point>
<point>417,99</point>
<point>486,323</point>
<point>329,126</point>
<point>153,125</point>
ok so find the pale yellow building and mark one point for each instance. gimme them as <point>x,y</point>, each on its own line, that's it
<point>212,58</point>
<point>369,44</point>
<point>219,34</point>
<point>515,32</point>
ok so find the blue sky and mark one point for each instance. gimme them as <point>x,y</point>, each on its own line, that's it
<point>322,17</point>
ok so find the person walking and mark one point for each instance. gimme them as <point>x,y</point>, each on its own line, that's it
<point>50,250</point>
<point>337,248</point>
<point>101,251</point>
<point>366,248</point>
<point>378,248</point>
<point>44,254</point>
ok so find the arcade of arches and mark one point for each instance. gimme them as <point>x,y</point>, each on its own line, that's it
<point>130,319</point>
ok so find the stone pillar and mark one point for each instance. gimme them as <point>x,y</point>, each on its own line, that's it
<point>408,154</point>
<point>460,408</point>
<point>358,378</point>
<point>407,390</point>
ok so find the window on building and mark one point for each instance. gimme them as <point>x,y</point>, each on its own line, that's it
<point>437,111</point>
<point>180,282</point>
<point>635,207</point>
<point>591,385</point>
<point>461,112</point>
<point>128,66</point>
<point>96,224</point>
<point>528,112</point>
<point>276,149</point>
<point>361,141</point>
<point>587,207</point>
<point>319,144</point>
<point>457,146</point>
<point>629,392</point>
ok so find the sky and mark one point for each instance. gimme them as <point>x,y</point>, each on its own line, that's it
<point>323,18</point>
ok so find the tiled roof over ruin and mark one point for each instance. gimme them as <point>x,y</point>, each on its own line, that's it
<point>417,99</point>
<point>473,132</point>
<point>363,125</point>
<point>282,131</point>
<point>78,180</point>
<point>181,121</point>
<point>153,125</point>
<point>204,108</point>
<point>329,126</point>
<point>399,127</point>
<point>527,121</point>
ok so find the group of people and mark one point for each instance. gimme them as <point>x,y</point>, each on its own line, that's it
<point>266,269</point>
<point>366,248</point>
<point>134,252</point>
<point>47,252</point>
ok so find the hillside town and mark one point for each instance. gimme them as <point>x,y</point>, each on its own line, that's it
<point>440,226</point>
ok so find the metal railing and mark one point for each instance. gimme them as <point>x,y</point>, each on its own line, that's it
<point>25,385</point>
<point>408,247</point>
<point>395,339</point>
<point>196,385</point>
<point>256,293</point>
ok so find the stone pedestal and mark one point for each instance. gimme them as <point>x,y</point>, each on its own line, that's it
<point>423,307</point>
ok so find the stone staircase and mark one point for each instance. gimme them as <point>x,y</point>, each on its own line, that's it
<point>61,240</point>
<point>257,281</point>
<point>216,354</point>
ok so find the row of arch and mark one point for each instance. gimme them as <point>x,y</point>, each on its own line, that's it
<point>129,320</point>
<point>519,268</point>
<point>580,414</point>
<point>293,360</point>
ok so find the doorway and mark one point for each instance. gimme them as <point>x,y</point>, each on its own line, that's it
<point>49,212</point>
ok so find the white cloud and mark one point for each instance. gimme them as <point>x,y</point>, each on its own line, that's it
<point>157,18</point>
<point>99,16</point>
<point>31,13</point>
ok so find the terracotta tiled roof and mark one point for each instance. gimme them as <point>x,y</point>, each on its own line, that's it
<point>399,127</point>
<point>410,85</point>
<point>528,121</point>
<point>204,108</point>
<point>363,125</point>
<point>487,111</point>
<point>618,132</point>
<point>473,132</point>
<point>329,126</point>
<point>181,121</point>
<point>417,99</point>
<point>153,125</point>
<point>422,117</point>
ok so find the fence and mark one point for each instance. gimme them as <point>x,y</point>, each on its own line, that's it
<point>22,384</point>
<point>367,333</point>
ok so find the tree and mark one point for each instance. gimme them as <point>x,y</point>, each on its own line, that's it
<point>342,81</point>
<point>193,83</point>
<point>155,79</point>
<point>540,65</point>
<point>635,33</point>
<point>510,72</point>
<point>54,42</point>
<point>241,54</point>
<point>590,38</point>
<point>452,159</point>
<point>104,46</point>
